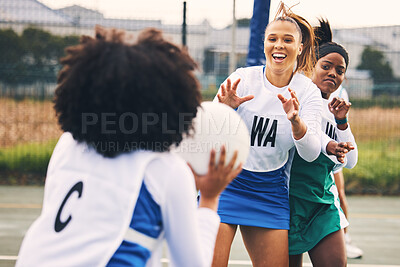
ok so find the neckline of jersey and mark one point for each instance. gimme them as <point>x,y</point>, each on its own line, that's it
<point>269,85</point>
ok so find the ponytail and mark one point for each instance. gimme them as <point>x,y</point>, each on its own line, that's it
<point>307,59</point>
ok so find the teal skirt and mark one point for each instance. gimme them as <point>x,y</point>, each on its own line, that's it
<point>310,222</point>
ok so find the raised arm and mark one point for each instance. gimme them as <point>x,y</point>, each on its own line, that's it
<point>191,231</point>
<point>340,108</point>
<point>305,126</point>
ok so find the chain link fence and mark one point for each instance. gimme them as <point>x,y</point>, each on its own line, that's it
<point>33,38</point>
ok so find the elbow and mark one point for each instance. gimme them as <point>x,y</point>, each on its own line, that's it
<point>352,159</point>
<point>311,155</point>
<point>351,164</point>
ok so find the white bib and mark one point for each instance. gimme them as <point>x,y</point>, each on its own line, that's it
<point>88,204</point>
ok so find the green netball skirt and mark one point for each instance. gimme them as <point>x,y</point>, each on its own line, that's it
<point>310,222</point>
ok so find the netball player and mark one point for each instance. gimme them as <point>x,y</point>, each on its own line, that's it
<point>282,110</point>
<point>316,220</point>
<point>113,192</point>
<point>352,250</point>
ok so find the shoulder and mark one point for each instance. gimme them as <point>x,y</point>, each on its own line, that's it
<point>247,72</point>
<point>168,165</point>
<point>305,86</point>
<point>166,170</point>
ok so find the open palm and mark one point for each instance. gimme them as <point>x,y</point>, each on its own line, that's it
<point>229,96</point>
<point>291,105</point>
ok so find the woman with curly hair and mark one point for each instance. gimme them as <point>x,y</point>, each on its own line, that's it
<point>316,220</point>
<point>113,191</point>
<point>282,110</point>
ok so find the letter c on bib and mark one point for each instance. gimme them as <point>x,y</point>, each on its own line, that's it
<point>59,225</point>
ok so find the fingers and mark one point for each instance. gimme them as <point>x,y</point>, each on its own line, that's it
<point>296,104</point>
<point>223,90</point>
<point>246,98</point>
<point>233,159</point>
<point>236,172</point>
<point>235,84</point>
<point>211,163</point>
<point>341,150</point>
<point>228,84</point>
<point>346,145</point>
<point>342,104</point>
<point>333,103</point>
<point>340,159</point>
<point>282,98</point>
<point>338,103</point>
<point>293,94</point>
<point>220,99</point>
<point>350,146</point>
<point>233,172</point>
<point>222,156</point>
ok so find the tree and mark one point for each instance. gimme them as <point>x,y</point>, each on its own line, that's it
<point>33,56</point>
<point>11,56</point>
<point>374,61</point>
<point>244,22</point>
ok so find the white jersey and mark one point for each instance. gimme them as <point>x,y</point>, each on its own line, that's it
<point>89,201</point>
<point>271,134</point>
<point>332,132</point>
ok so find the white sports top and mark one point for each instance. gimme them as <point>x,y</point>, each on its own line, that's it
<point>89,201</point>
<point>270,130</point>
<point>331,131</point>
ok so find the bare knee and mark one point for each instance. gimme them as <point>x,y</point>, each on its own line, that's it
<point>266,247</point>
<point>226,234</point>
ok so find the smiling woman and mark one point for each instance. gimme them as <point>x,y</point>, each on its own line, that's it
<point>282,110</point>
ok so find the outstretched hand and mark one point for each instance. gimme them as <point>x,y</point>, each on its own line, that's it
<point>339,149</point>
<point>339,107</point>
<point>218,177</point>
<point>291,106</point>
<point>229,96</point>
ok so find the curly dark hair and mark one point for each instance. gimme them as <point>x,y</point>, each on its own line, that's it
<point>119,97</point>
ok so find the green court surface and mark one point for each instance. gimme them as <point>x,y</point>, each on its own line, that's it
<point>374,227</point>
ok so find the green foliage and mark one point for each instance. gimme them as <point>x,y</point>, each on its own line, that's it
<point>244,22</point>
<point>27,157</point>
<point>377,170</point>
<point>33,56</point>
<point>11,61</point>
<point>383,101</point>
<point>374,61</point>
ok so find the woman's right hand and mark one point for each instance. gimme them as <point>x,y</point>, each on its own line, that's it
<point>339,149</point>
<point>229,96</point>
<point>218,177</point>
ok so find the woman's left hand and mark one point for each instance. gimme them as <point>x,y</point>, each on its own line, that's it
<point>339,108</point>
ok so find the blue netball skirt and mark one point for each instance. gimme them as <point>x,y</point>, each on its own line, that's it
<point>258,199</point>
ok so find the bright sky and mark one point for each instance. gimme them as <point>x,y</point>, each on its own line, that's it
<point>341,13</point>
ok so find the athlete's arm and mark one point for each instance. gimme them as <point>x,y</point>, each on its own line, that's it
<point>306,123</point>
<point>347,136</point>
<point>190,231</point>
<point>340,108</point>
